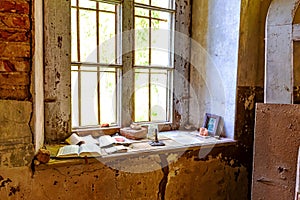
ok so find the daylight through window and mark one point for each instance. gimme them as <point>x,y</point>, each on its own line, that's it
<point>97,61</point>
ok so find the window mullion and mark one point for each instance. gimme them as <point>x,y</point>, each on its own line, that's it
<point>116,61</point>
<point>150,83</point>
<point>98,61</point>
<point>127,107</point>
<point>78,58</point>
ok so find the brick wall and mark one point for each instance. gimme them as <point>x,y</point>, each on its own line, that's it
<point>15,49</point>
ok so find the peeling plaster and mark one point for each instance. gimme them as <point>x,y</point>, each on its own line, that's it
<point>249,102</point>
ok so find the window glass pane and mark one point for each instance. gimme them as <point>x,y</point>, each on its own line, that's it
<point>107,37</point>
<point>88,68</point>
<point>108,110</point>
<point>107,69</point>
<point>163,3</point>
<point>159,89</point>
<point>161,38</point>
<point>74,29</point>
<point>107,7</point>
<point>87,4</point>
<point>88,39</point>
<point>74,68</point>
<point>74,96</point>
<point>73,2</point>
<point>92,84</point>
<point>141,12</point>
<point>141,95</point>
<point>89,102</point>
<point>147,2</point>
<point>141,41</point>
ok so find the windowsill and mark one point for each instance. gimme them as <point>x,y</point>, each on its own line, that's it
<point>97,131</point>
<point>138,149</point>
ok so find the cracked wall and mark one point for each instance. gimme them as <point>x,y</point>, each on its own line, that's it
<point>204,176</point>
<point>183,176</point>
<point>15,83</point>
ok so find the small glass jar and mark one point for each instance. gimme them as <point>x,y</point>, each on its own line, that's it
<point>151,131</point>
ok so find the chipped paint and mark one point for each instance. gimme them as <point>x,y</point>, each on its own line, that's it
<point>186,178</point>
<point>249,102</point>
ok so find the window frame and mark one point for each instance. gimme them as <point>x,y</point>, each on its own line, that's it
<point>98,65</point>
<point>57,58</point>
<point>148,68</point>
<point>169,69</point>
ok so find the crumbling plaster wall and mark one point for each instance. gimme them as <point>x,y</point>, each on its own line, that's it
<point>16,132</point>
<point>250,78</point>
<point>250,65</point>
<point>221,175</point>
<point>187,176</point>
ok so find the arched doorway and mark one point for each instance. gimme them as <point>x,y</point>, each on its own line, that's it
<point>280,34</point>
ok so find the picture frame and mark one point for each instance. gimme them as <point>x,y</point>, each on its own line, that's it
<point>211,123</point>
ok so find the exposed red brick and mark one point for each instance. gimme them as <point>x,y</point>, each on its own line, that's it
<point>14,35</point>
<point>14,79</point>
<point>8,66</point>
<point>2,48</point>
<point>19,65</point>
<point>14,92</point>
<point>14,21</point>
<point>15,50</point>
<point>14,6</point>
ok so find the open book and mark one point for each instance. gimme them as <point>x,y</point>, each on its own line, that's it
<point>84,150</point>
<point>103,141</point>
<point>106,141</point>
<point>76,139</point>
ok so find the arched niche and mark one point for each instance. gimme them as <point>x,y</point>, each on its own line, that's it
<point>280,34</point>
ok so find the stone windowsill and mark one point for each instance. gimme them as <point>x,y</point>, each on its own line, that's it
<point>138,150</point>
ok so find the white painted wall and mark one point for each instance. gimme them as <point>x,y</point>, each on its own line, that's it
<point>217,64</point>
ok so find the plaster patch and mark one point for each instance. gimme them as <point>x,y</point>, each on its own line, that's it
<point>249,102</point>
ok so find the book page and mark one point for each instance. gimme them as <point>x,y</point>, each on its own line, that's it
<point>76,139</point>
<point>89,139</point>
<point>106,140</point>
<point>68,151</point>
<point>89,150</point>
<point>73,139</point>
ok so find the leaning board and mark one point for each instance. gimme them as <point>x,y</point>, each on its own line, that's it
<point>276,143</point>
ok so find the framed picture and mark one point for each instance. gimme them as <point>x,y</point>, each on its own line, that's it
<point>211,123</point>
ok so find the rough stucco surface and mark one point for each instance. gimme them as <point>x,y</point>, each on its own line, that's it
<point>173,176</point>
<point>57,87</point>
<point>276,146</point>
<point>15,133</point>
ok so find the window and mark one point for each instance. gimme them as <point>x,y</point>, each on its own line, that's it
<point>97,67</point>
<point>96,62</point>
<point>153,60</point>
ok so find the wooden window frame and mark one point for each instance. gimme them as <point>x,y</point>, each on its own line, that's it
<point>57,71</point>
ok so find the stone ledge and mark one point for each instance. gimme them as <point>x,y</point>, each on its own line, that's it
<point>118,158</point>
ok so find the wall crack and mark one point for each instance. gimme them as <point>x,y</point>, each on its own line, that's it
<point>164,181</point>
